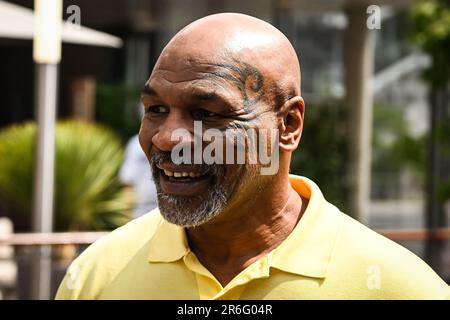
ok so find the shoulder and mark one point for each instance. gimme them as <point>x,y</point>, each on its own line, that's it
<point>105,258</point>
<point>401,273</point>
<point>126,239</point>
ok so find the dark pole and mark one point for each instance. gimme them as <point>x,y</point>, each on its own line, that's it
<point>432,214</point>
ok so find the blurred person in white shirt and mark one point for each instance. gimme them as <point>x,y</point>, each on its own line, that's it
<point>136,173</point>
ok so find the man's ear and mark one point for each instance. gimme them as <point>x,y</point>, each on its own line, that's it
<point>293,113</point>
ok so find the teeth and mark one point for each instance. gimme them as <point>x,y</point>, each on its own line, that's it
<point>181,174</point>
<point>168,173</point>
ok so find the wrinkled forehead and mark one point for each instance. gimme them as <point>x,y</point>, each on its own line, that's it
<point>227,77</point>
<point>234,70</point>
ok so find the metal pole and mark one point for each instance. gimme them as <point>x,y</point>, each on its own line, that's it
<point>46,99</point>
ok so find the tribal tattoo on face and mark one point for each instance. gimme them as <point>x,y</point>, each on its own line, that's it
<point>246,78</point>
<point>250,83</point>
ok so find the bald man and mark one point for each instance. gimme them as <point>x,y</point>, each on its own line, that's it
<point>231,229</point>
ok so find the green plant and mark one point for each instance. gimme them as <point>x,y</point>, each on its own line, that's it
<point>323,151</point>
<point>117,108</point>
<point>431,31</point>
<point>88,194</point>
<point>393,145</point>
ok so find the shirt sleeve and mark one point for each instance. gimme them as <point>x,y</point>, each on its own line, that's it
<point>86,276</point>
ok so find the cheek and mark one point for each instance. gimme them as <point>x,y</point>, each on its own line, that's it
<point>146,134</point>
<point>233,174</point>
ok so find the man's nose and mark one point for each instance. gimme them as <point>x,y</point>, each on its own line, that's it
<point>174,130</point>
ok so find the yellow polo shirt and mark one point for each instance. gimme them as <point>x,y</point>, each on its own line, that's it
<point>327,256</point>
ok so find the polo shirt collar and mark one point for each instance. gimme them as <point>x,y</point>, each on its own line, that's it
<point>306,251</point>
<point>168,244</point>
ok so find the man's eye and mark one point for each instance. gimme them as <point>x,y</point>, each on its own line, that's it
<point>199,114</point>
<point>158,109</point>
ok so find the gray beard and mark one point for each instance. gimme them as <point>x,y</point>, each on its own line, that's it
<point>172,208</point>
<point>211,204</point>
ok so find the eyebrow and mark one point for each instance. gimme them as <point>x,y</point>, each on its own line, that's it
<point>206,96</point>
<point>149,91</point>
<point>198,94</point>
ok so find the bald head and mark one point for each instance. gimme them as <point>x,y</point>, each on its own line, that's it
<point>243,46</point>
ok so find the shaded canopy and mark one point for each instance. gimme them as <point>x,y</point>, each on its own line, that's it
<point>17,22</point>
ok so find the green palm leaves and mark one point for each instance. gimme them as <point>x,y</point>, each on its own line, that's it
<point>87,192</point>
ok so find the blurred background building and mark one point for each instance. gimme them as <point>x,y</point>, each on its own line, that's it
<point>376,133</point>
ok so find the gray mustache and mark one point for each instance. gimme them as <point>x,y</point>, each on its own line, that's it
<point>159,158</point>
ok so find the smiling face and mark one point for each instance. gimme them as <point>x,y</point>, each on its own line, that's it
<point>222,84</point>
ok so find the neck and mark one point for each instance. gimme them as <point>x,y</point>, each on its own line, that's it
<point>251,230</point>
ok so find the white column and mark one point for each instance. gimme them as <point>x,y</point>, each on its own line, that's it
<point>359,62</point>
